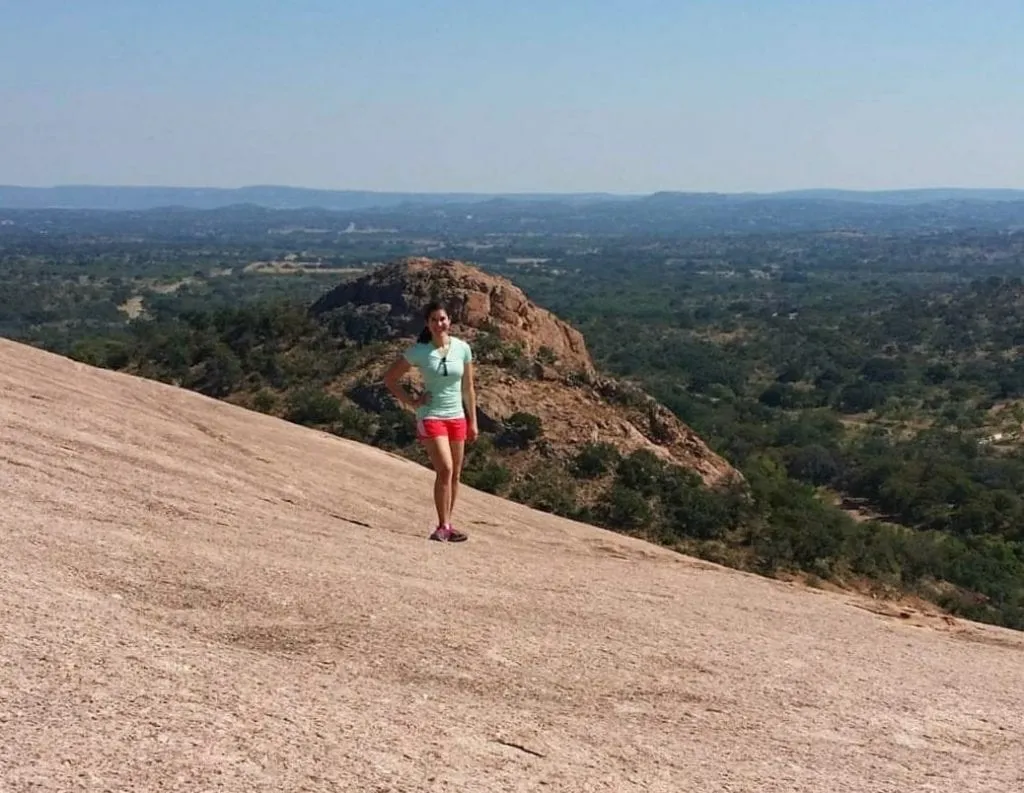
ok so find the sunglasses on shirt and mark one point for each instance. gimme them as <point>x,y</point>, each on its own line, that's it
<point>444,363</point>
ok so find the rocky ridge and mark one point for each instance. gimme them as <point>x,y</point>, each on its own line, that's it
<point>476,301</point>
<point>528,360</point>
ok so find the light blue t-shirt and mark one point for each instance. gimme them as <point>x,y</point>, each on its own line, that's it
<point>442,377</point>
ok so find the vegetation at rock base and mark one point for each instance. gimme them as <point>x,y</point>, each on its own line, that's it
<point>869,387</point>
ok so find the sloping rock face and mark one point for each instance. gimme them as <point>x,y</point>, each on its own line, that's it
<point>552,377</point>
<point>177,573</point>
<point>476,302</point>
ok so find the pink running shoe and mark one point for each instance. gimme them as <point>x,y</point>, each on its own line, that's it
<point>448,534</point>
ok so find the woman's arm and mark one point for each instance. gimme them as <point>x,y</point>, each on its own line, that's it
<point>392,377</point>
<point>469,398</point>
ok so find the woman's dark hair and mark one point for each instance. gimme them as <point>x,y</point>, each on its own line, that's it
<point>432,306</point>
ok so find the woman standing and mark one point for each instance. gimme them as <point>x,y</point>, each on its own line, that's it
<point>446,365</point>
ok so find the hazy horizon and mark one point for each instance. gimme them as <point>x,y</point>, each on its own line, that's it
<point>451,96</point>
<point>614,193</point>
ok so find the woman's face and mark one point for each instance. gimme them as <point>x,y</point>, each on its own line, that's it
<point>439,322</point>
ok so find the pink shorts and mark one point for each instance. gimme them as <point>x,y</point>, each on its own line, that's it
<point>453,429</point>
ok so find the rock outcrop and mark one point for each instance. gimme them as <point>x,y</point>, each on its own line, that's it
<point>476,301</point>
<point>551,374</point>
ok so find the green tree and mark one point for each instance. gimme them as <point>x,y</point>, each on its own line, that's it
<point>625,509</point>
<point>641,471</point>
<point>547,487</point>
<point>312,406</point>
<point>595,459</point>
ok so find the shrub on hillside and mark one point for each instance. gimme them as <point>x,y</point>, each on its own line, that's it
<point>396,429</point>
<point>691,509</point>
<point>482,469</point>
<point>595,459</point>
<point>107,353</point>
<point>549,488</point>
<point>355,424</point>
<point>546,355</point>
<point>491,477</point>
<point>489,348</point>
<point>641,471</point>
<point>624,509</point>
<point>519,430</point>
<point>218,373</point>
<point>312,406</point>
<point>265,400</point>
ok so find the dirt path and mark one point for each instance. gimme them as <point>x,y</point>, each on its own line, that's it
<point>195,597</point>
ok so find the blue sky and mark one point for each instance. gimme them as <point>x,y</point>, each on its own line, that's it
<point>481,95</point>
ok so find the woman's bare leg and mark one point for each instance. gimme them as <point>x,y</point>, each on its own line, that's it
<point>458,449</point>
<point>440,453</point>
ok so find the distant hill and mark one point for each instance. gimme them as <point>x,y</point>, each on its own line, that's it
<point>281,197</point>
<point>166,213</point>
<point>922,196</point>
<point>267,196</point>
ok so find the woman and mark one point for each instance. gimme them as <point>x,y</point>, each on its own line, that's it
<point>446,365</point>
